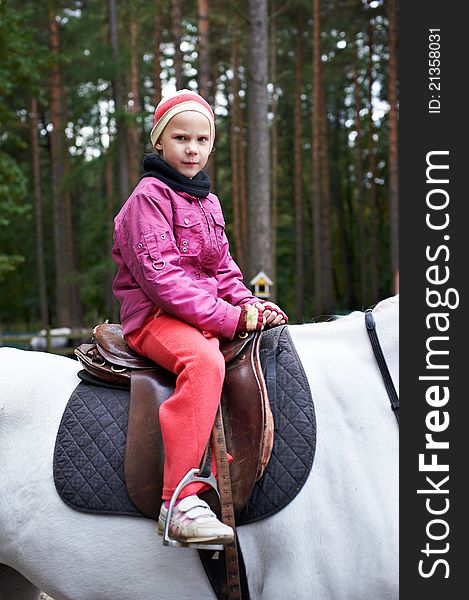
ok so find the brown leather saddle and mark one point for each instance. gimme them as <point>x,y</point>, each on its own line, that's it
<point>247,417</point>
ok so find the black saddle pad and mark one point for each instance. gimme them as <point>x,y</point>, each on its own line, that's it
<point>89,451</point>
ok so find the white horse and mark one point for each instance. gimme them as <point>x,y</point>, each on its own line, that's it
<point>337,540</point>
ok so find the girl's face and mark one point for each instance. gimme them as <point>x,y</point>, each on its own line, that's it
<point>185,143</point>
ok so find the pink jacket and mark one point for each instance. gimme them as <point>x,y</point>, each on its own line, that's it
<point>172,252</point>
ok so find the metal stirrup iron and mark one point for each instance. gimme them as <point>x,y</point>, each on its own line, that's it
<point>202,475</point>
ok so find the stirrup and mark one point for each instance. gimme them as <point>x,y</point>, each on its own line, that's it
<point>190,477</point>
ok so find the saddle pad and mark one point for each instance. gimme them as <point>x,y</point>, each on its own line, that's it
<point>295,428</point>
<point>89,451</point>
<point>90,445</point>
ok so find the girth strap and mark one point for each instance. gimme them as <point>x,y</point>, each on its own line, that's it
<point>383,367</point>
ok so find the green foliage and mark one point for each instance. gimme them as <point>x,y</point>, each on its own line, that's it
<point>12,207</point>
<point>19,74</point>
<point>8,263</point>
<point>23,60</point>
<point>13,189</point>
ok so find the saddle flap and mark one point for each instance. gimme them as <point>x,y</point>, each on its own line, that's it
<point>248,421</point>
<point>144,456</point>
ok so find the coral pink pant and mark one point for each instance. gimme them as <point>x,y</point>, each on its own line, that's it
<point>186,418</point>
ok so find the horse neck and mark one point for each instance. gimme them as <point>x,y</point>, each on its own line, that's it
<point>348,334</point>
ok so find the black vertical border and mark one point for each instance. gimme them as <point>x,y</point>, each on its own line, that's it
<point>419,133</point>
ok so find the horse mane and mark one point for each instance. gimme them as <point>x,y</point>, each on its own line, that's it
<point>336,319</point>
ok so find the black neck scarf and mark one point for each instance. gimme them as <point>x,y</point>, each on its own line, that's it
<point>198,186</point>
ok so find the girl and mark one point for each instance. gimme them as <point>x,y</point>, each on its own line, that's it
<point>180,293</point>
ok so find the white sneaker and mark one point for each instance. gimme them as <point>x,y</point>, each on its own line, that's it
<point>194,522</point>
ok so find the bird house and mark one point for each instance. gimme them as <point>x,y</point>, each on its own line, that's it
<point>261,283</point>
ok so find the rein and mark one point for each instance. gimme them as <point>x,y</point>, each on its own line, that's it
<point>383,367</point>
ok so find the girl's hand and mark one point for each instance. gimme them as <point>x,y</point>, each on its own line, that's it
<point>250,319</point>
<point>273,314</point>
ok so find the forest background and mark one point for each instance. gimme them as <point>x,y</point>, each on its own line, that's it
<point>306,101</point>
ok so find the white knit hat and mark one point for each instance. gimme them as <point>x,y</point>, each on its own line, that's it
<point>178,102</point>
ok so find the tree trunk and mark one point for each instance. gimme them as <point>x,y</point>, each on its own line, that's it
<point>372,175</point>
<point>133,103</point>
<point>297,180</point>
<point>274,146</point>
<point>176,29</point>
<point>71,262</point>
<point>204,69</point>
<point>57,146</point>
<point>349,203</point>
<point>243,187</point>
<point>259,207</point>
<point>326,251</point>
<point>111,303</point>
<point>204,72</point>
<point>235,127</point>
<point>73,289</point>
<point>41,273</point>
<point>359,186</point>
<point>315,183</point>
<point>339,197</point>
<point>393,145</point>
<point>118,106</point>
<point>157,61</point>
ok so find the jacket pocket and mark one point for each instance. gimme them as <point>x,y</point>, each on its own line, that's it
<point>219,227</point>
<point>188,233</point>
<point>148,255</point>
